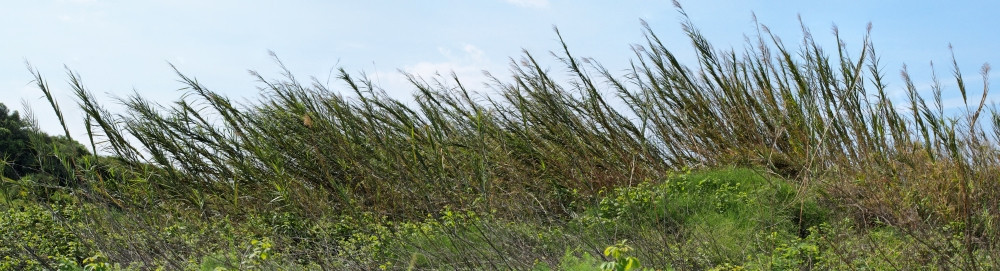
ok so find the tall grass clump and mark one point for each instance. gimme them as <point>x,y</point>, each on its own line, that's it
<point>323,165</point>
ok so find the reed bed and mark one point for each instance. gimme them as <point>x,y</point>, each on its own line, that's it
<point>306,154</point>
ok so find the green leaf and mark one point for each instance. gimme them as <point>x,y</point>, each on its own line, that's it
<point>633,263</point>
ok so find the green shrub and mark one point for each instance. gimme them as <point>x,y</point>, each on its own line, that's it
<point>36,237</point>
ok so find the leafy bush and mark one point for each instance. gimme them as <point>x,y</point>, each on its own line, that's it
<point>36,237</point>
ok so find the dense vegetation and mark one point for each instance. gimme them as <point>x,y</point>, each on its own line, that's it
<point>769,158</point>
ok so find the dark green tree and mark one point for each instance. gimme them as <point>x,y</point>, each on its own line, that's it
<point>52,155</point>
<point>15,144</point>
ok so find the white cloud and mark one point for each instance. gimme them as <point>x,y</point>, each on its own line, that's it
<point>529,3</point>
<point>467,65</point>
<point>467,62</point>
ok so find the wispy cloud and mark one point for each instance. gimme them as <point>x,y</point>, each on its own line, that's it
<point>467,63</point>
<point>529,3</point>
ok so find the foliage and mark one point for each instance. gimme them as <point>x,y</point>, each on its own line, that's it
<point>14,144</point>
<point>620,259</point>
<point>38,236</point>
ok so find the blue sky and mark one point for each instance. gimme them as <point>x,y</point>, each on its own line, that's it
<point>122,46</point>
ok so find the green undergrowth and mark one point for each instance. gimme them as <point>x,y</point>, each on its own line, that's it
<point>45,231</point>
<point>727,219</point>
<point>690,220</point>
<point>724,219</point>
<point>705,219</point>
